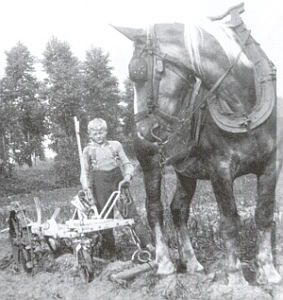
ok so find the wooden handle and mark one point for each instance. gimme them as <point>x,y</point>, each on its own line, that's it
<point>83,172</point>
<point>38,209</point>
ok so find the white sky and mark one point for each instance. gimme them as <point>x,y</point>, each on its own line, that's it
<point>85,23</point>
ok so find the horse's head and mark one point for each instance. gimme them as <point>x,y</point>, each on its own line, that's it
<point>162,79</point>
<point>168,61</point>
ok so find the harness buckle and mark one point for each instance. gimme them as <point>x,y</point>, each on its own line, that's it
<point>247,124</point>
<point>159,65</point>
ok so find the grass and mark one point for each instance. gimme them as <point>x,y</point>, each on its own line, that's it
<point>26,180</point>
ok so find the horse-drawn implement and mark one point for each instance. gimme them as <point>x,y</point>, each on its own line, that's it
<point>81,234</point>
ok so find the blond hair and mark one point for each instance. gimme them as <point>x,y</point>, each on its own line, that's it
<point>97,123</point>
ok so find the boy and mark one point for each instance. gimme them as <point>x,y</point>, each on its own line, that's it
<point>106,164</point>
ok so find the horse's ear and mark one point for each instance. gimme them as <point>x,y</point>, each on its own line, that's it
<point>134,34</point>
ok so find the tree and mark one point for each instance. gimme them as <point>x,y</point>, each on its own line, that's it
<point>127,106</point>
<point>26,113</point>
<point>63,87</point>
<point>4,123</point>
<point>100,90</point>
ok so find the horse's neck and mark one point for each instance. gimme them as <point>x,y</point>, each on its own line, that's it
<point>237,90</point>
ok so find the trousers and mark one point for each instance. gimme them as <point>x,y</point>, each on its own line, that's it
<point>103,184</point>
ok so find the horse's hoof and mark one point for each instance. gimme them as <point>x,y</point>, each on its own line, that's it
<point>274,278</point>
<point>237,278</point>
<point>194,267</point>
<point>268,274</point>
<point>165,268</point>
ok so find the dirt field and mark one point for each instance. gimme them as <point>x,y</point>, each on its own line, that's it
<point>57,280</point>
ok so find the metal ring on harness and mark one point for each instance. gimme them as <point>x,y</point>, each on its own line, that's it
<point>143,256</point>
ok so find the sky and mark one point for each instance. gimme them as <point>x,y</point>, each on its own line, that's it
<point>86,23</point>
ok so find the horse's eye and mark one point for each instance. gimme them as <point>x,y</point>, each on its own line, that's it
<point>138,69</point>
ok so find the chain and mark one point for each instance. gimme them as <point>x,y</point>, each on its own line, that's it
<point>140,255</point>
<point>124,202</point>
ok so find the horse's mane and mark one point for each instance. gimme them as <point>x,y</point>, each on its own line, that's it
<point>223,34</point>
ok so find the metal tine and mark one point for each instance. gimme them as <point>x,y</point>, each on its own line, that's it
<point>109,205</point>
<point>56,213</point>
<point>112,205</point>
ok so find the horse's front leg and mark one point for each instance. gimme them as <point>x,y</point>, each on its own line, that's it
<point>264,218</point>
<point>222,184</point>
<point>154,207</point>
<point>180,208</point>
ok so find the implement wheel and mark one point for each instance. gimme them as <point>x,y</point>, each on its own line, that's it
<point>86,268</point>
<point>20,243</point>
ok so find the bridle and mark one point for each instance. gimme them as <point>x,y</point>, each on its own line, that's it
<point>155,66</point>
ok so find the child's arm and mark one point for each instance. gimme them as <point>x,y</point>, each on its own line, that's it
<point>128,168</point>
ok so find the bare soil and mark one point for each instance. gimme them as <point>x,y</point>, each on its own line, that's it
<point>60,281</point>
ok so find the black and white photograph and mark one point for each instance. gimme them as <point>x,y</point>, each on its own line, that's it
<point>141,150</point>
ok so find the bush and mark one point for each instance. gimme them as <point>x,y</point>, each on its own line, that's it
<point>67,165</point>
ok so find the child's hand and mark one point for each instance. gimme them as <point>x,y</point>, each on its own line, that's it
<point>125,183</point>
<point>128,178</point>
<point>90,196</point>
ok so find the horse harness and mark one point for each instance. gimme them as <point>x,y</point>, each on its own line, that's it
<point>152,70</point>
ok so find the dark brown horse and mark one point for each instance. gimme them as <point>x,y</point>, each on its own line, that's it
<point>198,103</point>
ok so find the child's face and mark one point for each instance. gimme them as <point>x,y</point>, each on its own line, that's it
<point>98,135</point>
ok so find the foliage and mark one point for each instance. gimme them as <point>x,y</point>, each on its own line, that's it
<point>22,111</point>
<point>63,88</point>
<point>25,180</point>
<point>67,167</point>
<point>127,116</point>
<point>100,91</point>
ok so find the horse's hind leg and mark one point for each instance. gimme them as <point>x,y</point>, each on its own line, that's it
<point>180,208</point>
<point>264,219</point>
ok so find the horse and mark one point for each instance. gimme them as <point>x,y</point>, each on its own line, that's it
<point>184,75</point>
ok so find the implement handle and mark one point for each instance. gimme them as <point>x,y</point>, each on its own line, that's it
<point>133,272</point>
<point>83,172</point>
